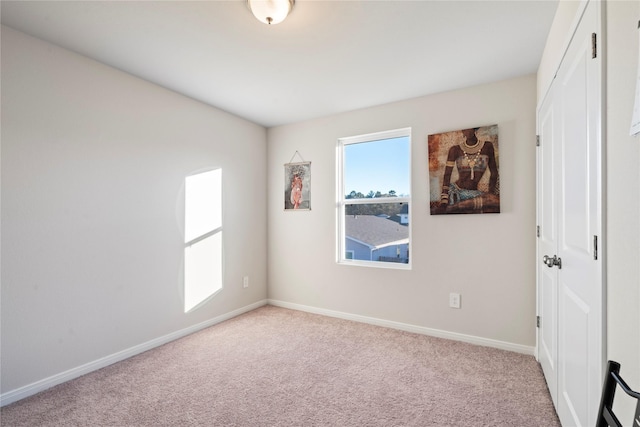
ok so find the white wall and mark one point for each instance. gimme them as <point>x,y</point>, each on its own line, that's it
<point>93,163</point>
<point>623,192</point>
<point>488,258</point>
<point>622,246</point>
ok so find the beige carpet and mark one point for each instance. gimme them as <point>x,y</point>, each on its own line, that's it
<point>278,367</point>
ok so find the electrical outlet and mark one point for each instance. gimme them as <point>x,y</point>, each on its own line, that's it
<point>454,300</point>
<point>245,282</point>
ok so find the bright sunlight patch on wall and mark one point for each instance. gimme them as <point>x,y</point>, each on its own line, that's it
<point>203,237</point>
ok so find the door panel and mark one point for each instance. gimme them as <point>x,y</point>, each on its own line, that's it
<point>548,340</point>
<point>580,308</point>
<point>574,341</point>
<point>575,212</point>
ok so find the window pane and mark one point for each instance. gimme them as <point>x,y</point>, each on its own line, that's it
<point>202,270</point>
<point>377,232</point>
<point>203,210</point>
<point>377,168</point>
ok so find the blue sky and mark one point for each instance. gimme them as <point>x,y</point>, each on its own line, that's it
<point>377,166</point>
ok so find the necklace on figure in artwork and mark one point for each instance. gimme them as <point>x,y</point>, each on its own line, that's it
<point>472,149</point>
<point>472,162</point>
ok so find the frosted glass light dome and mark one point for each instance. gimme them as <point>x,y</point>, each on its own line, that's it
<point>271,11</point>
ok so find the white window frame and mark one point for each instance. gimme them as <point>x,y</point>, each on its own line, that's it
<point>342,201</point>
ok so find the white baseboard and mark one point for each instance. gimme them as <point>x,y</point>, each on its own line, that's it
<point>38,386</point>
<point>503,345</point>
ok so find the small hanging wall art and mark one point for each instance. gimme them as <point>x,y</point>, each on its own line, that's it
<point>463,171</point>
<point>297,185</point>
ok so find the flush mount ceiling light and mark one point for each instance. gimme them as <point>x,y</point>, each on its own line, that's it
<point>270,11</point>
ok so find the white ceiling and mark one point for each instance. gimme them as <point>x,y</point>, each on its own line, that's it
<point>327,57</point>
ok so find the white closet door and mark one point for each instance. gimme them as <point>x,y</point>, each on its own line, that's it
<point>570,290</point>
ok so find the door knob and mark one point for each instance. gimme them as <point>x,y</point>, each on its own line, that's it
<point>551,261</point>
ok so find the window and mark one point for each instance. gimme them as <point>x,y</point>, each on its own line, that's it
<point>203,237</point>
<point>374,195</point>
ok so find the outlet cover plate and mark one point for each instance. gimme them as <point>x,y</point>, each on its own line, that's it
<point>454,300</point>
